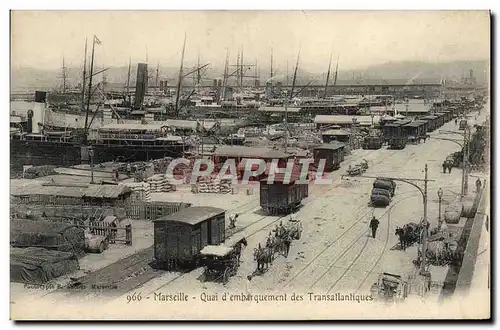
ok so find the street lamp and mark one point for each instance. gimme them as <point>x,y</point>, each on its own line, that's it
<point>440,195</point>
<point>91,154</point>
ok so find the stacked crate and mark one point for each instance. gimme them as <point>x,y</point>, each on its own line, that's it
<point>213,185</point>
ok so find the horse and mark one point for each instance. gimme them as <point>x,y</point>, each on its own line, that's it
<point>408,234</point>
<point>238,247</point>
<point>447,165</point>
<point>263,257</point>
<point>402,238</point>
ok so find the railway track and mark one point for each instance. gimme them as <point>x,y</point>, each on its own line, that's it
<point>310,199</point>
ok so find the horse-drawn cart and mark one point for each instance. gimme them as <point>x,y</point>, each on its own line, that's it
<point>220,262</point>
<point>390,288</point>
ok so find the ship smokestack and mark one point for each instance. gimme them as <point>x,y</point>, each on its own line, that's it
<point>141,84</point>
<point>38,114</point>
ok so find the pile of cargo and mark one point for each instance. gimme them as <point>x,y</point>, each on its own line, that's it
<point>160,183</point>
<point>382,192</point>
<point>141,191</point>
<point>210,184</point>
<point>161,165</point>
<point>39,171</point>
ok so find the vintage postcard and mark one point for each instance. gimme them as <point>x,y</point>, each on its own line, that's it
<point>250,165</point>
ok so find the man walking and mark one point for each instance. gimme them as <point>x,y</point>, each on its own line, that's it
<point>374,225</point>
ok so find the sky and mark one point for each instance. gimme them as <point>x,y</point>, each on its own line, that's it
<point>360,39</point>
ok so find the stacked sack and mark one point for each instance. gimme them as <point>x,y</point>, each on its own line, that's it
<point>140,191</point>
<point>210,184</point>
<point>382,192</point>
<point>160,183</point>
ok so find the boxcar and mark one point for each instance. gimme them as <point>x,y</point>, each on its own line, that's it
<point>441,118</point>
<point>179,237</point>
<point>332,153</point>
<point>281,197</point>
<point>431,122</point>
<point>395,136</point>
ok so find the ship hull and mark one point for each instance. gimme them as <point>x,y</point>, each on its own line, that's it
<point>38,153</point>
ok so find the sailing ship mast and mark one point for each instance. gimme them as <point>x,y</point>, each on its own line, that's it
<point>157,76</point>
<point>178,94</point>
<point>84,75</point>
<point>95,41</point>
<point>336,72</point>
<point>128,81</point>
<point>327,76</point>
<point>224,79</point>
<point>286,100</point>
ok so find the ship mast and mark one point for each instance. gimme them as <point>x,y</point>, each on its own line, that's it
<point>128,81</point>
<point>286,100</point>
<point>328,76</point>
<point>90,83</point>
<point>178,94</point>
<point>336,72</point>
<point>271,77</point>
<point>242,72</point>
<point>225,77</point>
<point>157,76</point>
<point>84,75</point>
<point>64,76</point>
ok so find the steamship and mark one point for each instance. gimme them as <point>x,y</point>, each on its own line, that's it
<point>37,145</point>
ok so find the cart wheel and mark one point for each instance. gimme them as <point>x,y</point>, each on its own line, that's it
<point>225,276</point>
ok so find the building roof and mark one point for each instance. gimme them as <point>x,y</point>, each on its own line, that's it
<point>278,109</point>
<point>415,124</point>
<point>336,132</point>
<point>343,119</point>
<point>193,215</point>
<point>106,191</point>
<point>334,145</point>
<point>47,190</point>
<point>249,152</point>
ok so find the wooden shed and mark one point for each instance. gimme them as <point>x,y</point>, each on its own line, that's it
<point>179,237</point>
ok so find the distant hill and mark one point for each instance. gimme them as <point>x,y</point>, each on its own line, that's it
<point>31,78</point>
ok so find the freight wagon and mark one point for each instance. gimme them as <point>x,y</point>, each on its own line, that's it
<point>179,237</point>
<point>282,196</point>
<point>332,153</point>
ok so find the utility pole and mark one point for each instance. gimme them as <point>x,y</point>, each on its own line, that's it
<point>424,226</point>
<point>465,151</point>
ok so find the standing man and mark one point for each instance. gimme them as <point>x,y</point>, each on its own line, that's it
<point>374,225</point>
<point>478,185</point>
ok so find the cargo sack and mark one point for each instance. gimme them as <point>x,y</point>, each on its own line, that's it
<point>380,200</point>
